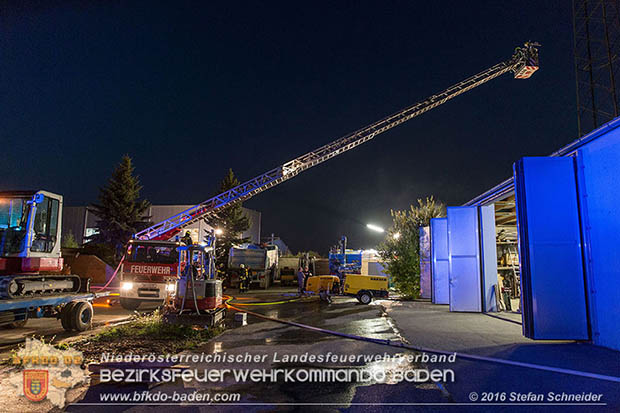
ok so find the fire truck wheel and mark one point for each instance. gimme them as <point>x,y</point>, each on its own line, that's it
<point>130,304</point>
<point>82,316</point>
<point>65,316</point>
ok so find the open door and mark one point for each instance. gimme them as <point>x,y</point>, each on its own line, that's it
<point>425,262</point>
<point>488,249</point>
<point>439,261</point>
<point>552,277</point>
<point>464,259</point>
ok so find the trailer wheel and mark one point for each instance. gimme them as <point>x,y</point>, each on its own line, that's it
<point>82,316</point>
<point>364,297</point>
<point>65,316</point>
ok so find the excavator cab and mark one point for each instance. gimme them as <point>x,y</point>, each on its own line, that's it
<point>30,256</point>
<point>527,58</point>
<point>30,223</point>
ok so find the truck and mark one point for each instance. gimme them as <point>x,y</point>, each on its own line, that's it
<point>262,262</point>
<point>148,273</point>
<point>33,279</point>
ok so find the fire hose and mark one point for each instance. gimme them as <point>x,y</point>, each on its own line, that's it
<point>113,275</point>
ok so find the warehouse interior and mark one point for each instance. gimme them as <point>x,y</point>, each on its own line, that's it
<point>508,292</point>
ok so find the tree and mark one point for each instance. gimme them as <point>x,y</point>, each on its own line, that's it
<point>401,248</point>
<point>120,211</point>
<point>68,240</point>
<point>231,220</point>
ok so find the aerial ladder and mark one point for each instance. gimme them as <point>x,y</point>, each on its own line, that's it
<point>523,63</point>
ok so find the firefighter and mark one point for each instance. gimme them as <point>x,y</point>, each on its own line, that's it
<point>301,280</point>
<point>187,238</point>
<point>244,279</point>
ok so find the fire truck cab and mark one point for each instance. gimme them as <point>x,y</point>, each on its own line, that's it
<point>149,273</point>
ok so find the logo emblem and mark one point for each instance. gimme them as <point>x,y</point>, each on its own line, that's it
<point>35,384</point>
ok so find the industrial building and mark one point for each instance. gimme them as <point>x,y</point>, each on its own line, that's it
<point>82,222</point>
<point>543,243</point>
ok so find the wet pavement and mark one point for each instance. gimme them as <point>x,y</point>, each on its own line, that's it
<point>272,342</point>
<point>420,324</point>
<point>499,336</point>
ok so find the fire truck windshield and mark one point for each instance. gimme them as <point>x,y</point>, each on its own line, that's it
<point>157,254</point>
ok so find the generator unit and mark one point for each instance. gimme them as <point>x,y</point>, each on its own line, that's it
<point>328,283</point>
<point>365,287</point>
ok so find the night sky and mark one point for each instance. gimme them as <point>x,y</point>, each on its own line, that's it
<point>189,89</point>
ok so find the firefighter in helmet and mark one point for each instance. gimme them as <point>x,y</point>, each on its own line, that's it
<point>187,238</point>
<point>244,279</point>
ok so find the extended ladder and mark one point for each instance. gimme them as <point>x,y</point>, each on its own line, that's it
<point>523,64</point>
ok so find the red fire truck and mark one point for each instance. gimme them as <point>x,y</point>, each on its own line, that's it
<point>149,273</point>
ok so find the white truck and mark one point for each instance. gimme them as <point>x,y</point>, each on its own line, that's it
<point>262,262</point>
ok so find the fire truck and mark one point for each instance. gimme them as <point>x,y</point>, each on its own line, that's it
<point>148,273</point>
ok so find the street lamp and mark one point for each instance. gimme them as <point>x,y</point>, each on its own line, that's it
<point>396,235</point>
<point>375,228</point>
<point>219,231</point>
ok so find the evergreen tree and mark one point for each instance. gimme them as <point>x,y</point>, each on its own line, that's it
<point>231,221</point>
<point>120,211</point>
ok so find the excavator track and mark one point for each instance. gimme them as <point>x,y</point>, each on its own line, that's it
<point>37,285</point>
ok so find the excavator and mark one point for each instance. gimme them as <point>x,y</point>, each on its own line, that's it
<point>32,280</point>
<point>30,258</point>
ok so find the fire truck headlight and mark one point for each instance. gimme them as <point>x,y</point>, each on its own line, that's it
<point>126,286</point>
<point>171,287</point>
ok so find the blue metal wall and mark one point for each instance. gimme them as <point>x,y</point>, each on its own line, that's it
<point>599,193</point>
<point>439,260</point>
<point>552,275</point>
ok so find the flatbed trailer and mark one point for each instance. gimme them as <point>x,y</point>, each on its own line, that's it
<point>75,311</point>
